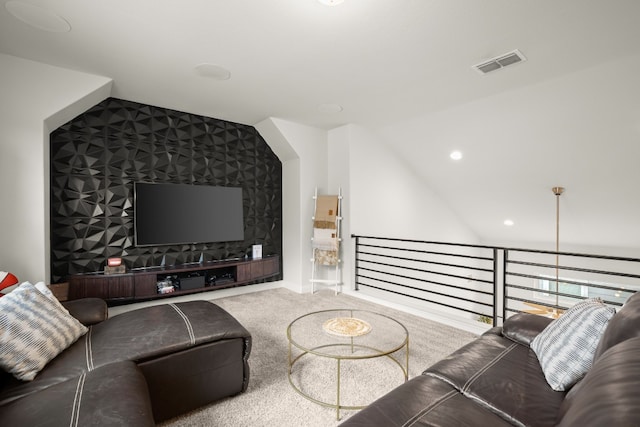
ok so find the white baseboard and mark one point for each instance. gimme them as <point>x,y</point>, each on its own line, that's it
<point>460,323</point>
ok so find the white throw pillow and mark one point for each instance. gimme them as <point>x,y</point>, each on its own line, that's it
<point>44,290</point>
<point>565,348</point>
<point>33,330</point>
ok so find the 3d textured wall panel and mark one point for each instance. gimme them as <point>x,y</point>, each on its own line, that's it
<point>97,157</point>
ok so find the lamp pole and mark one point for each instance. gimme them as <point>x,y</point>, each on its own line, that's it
<point>557,191</point>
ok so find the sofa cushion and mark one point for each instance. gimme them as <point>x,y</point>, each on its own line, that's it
<point>113,395</point>
<point>566,347</point>
<point>33,330</point>
<point>608,394</point>
<point>504,377</point>
<point>624,325</point>
<point>424,401</point>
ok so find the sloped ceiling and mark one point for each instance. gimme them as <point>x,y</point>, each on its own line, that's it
<point>567,116</point>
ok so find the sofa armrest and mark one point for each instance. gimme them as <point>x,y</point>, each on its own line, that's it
<point>88,311</point>
<point>524,327</point>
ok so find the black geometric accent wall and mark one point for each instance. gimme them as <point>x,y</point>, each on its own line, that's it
<point>97,157</point>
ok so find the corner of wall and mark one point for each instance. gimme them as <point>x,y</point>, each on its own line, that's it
<point>51,123</point>
<point>304,155</point>
<point>32,93</point>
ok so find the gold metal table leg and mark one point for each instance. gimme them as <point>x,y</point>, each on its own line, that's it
<point>338,394</point>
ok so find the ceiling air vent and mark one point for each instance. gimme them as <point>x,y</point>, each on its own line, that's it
<point>499,62</point>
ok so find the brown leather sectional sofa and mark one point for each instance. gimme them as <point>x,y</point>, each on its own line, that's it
<point>135,369</point>
<point>497,380</point>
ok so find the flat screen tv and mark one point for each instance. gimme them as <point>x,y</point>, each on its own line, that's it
<point>168,214</point>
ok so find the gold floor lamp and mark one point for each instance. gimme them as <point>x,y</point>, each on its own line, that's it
<point>541,309</point>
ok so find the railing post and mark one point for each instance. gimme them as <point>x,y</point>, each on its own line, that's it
<point>355,263</point>
<point>495,287</point>
<point>505,260</point>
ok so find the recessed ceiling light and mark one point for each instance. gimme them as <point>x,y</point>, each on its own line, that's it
<point>331,2</point>
<point>38,17</point>
<point>508,222</point>
<point>456,155</point>
<point>329,108</point>
<point>213,71</point>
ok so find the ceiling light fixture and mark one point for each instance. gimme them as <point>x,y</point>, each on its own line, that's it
<point>456,155</point>
<point>38,17</point>
<point>330,108</point>
<point>331,2</point>
<point>508,222</point>
<point>213,71</point>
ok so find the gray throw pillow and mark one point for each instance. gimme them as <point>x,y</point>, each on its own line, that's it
<point>33,330</point>
<point>565,348</point>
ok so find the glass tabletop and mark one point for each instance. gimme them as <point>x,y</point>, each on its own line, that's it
<point>347,334</point>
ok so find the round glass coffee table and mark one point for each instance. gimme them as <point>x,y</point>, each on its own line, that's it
<point>343,335</point>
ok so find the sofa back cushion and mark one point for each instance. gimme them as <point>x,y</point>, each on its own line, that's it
<point>624,325</point>
<point>608,394</point>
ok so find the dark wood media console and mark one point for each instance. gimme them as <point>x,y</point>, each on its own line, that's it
<point>143,284</point>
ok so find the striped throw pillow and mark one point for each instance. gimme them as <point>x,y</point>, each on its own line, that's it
<point>33,330</point>
<point>565,348</point>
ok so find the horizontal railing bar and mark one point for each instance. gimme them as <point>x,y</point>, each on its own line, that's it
<point>513,298</point>
<point>424,280</point>
<point>428,252</point>
<point>463,245</point>
<point>572,254</point>
<point>423,271</point>
<point>550,305</point>
<point>550,292</point>
<point>429,291</point>
<point>486,270</point>
<point>571,282</point>
<point>426,300</point>
<point>569,268</point>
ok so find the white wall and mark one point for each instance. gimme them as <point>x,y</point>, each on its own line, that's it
<point>303,152</point>
<point>579,130</point>
<point>339,178</point>
<point>390,200</point>
<point>33,95</point>
<point>382,196</point>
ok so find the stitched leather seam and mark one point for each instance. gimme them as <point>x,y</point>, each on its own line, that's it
<point>441,378</point>
<point>88,350</point>
<point>429,408</point>
<point>192,337</point>
<point>475,398</point>
<point>495,410</point>
<point>77,400</point>
<point>486,367</point>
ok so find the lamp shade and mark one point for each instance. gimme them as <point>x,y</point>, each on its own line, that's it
<point>6,279</point>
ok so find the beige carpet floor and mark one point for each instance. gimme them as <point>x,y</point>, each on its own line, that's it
<point>271,401</point>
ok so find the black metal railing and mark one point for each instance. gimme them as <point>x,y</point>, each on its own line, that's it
<point>546,282</point>
<point>456,276</point>
<point>489,283</point>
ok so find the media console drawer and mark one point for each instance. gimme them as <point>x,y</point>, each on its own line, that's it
<point>144,284</point>
<point>109,287</point>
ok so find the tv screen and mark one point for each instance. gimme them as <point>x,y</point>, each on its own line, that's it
<point>167,214</point>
